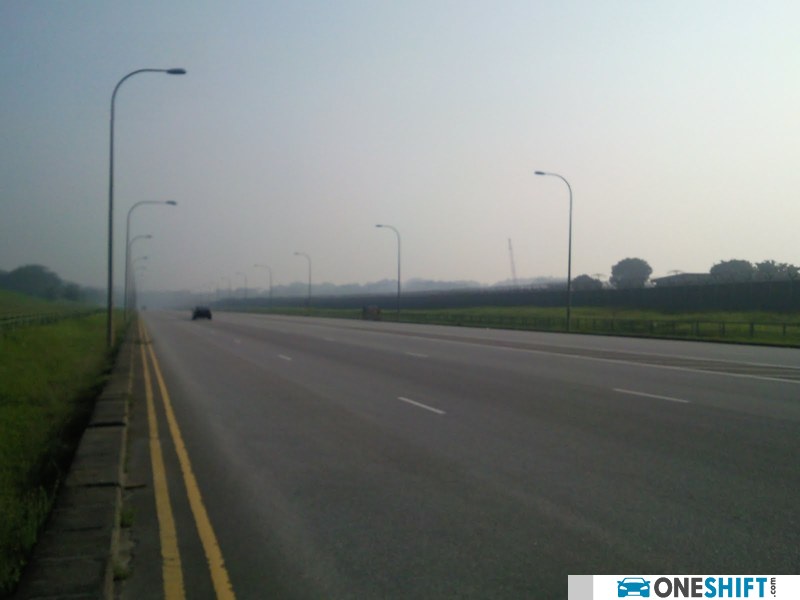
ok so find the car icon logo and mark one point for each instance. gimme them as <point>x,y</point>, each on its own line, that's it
<point>633,586</point>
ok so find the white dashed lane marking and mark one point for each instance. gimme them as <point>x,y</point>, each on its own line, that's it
<point>421,405</point>
<point>656,396</point>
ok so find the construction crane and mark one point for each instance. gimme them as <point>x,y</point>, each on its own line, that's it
<point>513,266</point>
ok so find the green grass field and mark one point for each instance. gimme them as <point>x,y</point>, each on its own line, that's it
<point>781,329</point>
<point>12,304</point>
<point>49,377</point>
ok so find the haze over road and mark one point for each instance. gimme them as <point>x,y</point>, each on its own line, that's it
<point>356,459</point>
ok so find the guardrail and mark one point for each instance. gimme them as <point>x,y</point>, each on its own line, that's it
<point>9,322</point>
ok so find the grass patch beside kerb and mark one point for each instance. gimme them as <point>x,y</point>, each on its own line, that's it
<point>50,376</point>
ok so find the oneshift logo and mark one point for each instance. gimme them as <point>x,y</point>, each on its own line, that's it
<point>711,587</point>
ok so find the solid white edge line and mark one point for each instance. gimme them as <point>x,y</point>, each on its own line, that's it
<point>352,327</point>
<point>421,405</point>
<point>656,396</point>
<point>627,362</point>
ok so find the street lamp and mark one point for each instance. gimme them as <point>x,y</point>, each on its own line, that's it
<point>229,285</point>
<point>269,270</point>
<point>308,258</point>
<point>397,233</point>
<point>128,281</point>
<point>128,244</point>
<point>139,237</point>
<point>139,270</point>
<point>110,299</point>
<point>569,248</point>
<point>245,283</point>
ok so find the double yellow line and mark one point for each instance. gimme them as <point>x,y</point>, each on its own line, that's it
<point>171,565</point>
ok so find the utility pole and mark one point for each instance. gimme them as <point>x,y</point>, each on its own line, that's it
<point>513,266</point>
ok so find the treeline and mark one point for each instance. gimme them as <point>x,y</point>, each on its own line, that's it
<point>633,273</point>
<point>41,282</point>
<point>735,271</point>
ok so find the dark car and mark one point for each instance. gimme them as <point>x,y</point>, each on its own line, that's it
<point>201,312</point>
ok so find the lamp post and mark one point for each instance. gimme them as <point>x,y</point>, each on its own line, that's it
<point>569,247</point>
<point>308,258</point>
<point>397,233</point>
<point>212,288</point>
<point>128,243</point>
<point>140,270</point>
<point>131,290</point>
<point>245,283</point>
<point>269,270</point>
<point>110,299</point>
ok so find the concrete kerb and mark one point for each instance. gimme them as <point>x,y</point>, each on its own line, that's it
<point>75,555</point>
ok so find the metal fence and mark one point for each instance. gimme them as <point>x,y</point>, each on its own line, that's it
<point>9,322</point>
<point>781,333</point>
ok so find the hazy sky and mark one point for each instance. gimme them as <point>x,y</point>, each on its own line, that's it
<point>300,125</point>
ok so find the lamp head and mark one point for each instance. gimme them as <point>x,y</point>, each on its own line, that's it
<point>172,203</point>
<point>176,71</point>
<point>540,173</point>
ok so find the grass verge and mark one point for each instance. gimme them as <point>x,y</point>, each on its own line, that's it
<point>49,378</point>
<point>12,303</point>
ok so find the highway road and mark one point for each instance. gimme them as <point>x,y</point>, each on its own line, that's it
<point>349,459</point>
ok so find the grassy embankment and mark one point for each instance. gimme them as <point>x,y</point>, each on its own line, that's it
<point>49,377</point>
<point>781,329</point>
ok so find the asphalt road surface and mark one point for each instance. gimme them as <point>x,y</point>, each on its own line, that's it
<point>349,459</point>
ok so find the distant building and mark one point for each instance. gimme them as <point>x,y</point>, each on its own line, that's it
<point>682,279</point>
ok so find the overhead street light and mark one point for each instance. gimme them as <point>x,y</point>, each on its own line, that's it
<point>569,246</point>
<point>308,258</point>
<point>129,249</point>
<point>269,270</point>
<point>128,244</point>
<point>397,233</point>
<point>110,299</point>
<point>138,270</point>
<point>140,237</point>
<point>245,283</point>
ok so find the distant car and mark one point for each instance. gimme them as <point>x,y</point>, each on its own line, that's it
<point>633,586</point>
<point>201,312</point>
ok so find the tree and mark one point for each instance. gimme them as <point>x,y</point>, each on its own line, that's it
<point>584,282</point>
<point>733,270</point>
<point>72,291</point>
<point>769,270</point>
<point>630,273</point>
<point>34,280</point>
